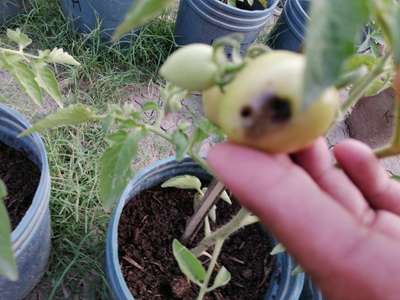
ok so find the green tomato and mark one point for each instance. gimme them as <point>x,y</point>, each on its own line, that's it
<point>211,100</point>
<point>191,67</point>
<point>262,107</point>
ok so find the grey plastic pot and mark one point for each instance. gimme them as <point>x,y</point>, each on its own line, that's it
<point>31,238</point>
<point>290,29</point>
<point>203,21</point>
<point>86,14</point>
<point>283,286</point>
<point>10,9</point>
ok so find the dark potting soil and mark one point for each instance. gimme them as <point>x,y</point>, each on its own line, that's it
<point>147,228</point>
<point>21,177</point>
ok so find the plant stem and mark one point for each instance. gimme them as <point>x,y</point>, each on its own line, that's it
<point>211,267</point>
<point>199,160</point>
<point>359,89</point>
<point>19,53</point>
<point>394,147</point>
<point>159,132</point>
<point>242,219</point>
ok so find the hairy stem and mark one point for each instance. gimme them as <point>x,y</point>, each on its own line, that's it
<point>360,88</point>
<point>211,267</point>
<point>21,53</point>
<point>243,218</point>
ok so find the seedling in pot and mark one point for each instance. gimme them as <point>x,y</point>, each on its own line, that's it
<point>274,101</point>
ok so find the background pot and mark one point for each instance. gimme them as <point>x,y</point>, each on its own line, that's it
<point>31,238</point>
<point>289,31</point>
<point>283,286</point>
<point>10,9</point>
<point>202,21</point>
<point>87,14</point>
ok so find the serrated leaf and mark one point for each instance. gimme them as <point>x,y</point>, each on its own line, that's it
<point>190,266</point>
<point>7,60</point>
<point>186,182</point>
<point>116,166</point>
<point>387,13</point>
<point>150,105</point>
<point>19,38</point>
<point>46,79</point>
<point>223,277</point>
<point>71,115</point>
<point>140,13</point>
<point>181,142</point>
<point>330,40</point>
<point>278,249</point>
<point>26,78</point>
<point>8,266</point>
<point>59,56</point>
<point>224,196</point>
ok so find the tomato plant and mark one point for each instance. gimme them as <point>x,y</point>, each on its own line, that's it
<point>271,100</point>
<point>35,77</point>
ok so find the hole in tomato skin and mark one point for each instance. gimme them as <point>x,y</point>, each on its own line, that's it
<point>266,112</point>
<point>280,110</point>
<point>246,112</point>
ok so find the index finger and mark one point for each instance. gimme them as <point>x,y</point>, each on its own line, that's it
<point>297,212</point>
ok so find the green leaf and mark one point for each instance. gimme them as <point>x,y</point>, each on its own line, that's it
<point>8,266</point>
<point>26,78</point>
<point>140,13</point>
<point>181,142</point>
<point>47,81</point>
<point>7,60</point>
<point>387,13</point>
<point>186,182</point>
<point>190,266</point>
<point>330,40</point>
<point>224,196</point>
<point>395,177</point>
<point>150,105</point>
<point>115,166</point>
<point>19,38</point>
<point>207,227</point>
<point>58,56</point>
<point>223,277</point>
<point>278,249</point>
<point>213,213</point>
<point>71,115</point>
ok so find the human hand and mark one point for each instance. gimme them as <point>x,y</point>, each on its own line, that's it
<point>342,227</point>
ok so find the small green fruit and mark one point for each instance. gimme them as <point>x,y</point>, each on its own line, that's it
<point>262,107</point>
<point>211,103</point>
<point>191,67</point>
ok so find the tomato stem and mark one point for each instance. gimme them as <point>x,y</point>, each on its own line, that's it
<point>217,250</point>
<point>360,88</point>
